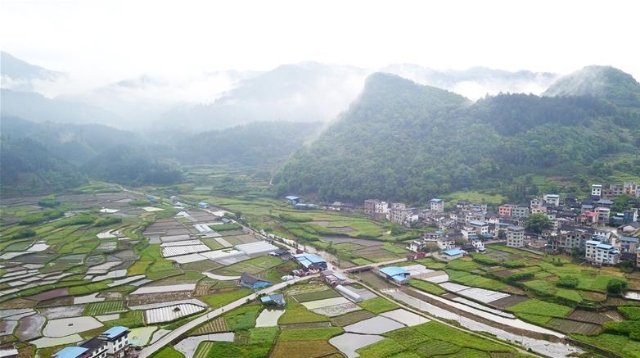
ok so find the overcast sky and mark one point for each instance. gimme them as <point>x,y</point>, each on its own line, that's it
<point>119,39</point>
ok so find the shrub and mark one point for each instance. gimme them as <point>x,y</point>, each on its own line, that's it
<point>568,282</point>
<point>110,220</point>
<point>520,276</point>
<point>513,264</point>
<point>484,259</point>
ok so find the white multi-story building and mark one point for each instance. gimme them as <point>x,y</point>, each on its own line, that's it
<point>601,253</point>
<point>515,236</point>
<point>436,205</point>
<point>552,199</point>
<point>480,227</point>
<point>596,190</point>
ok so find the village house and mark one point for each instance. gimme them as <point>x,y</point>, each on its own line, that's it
<point>600,253</point>
<point>255,283</point>
<point>436,205</point>
<point>520,211</point>
<point>505,210</point>
<point>515,236</point>
<point>596,190</point>
<point>552,199</point>
<point>375,207</point>
<point>112,343</point>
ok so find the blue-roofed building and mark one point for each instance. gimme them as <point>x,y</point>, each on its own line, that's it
<point>601,253</point>
<point>276,299</point>
<point>305,206</point>
<point>396,274</point>
<point>117,341</point>
<point>311,262</point>
<point>452,254</point>
<point>72,352</point>
<point>203,205</point>
<point>112,343</point>
<point>292,200</point>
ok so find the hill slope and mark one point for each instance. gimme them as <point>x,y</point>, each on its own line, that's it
<point>403,141</point>
<point>27,168</point>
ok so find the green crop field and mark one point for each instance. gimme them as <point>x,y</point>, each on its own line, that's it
<point>534,306</point>
<point>297,313</point>
<point>100,308</point>
<point>309,334</point>
<point>378,305</point>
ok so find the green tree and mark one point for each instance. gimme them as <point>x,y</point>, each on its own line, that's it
<point>621,203</point>
<point>616,286</point>
<point>538,222</point>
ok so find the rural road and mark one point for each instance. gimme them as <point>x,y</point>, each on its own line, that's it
<point>166,340</point>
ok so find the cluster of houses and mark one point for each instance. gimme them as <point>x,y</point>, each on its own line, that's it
<point>576,225</point>
<point>112,343</point>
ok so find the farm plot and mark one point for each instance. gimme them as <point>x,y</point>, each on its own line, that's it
<point>351,318</point>
<point>58,328</point>
<point>163,289</point>
<point>141,336</point>
<point>337,310</point>
<point>477,294</point>
<point>189,345</point>
<point>214,326</point>
<point>569,326</point>
<point>48,295</point>
<point>29,327</point>
<point>106,307</point>
<point>594,317</point>
<point>347,343</point>
<point>252,266</point>
<point>170,313</point>
<point>405,317</point>
<point>184,250</point>
<point>314,296</point>
<point>291,349</point>
<point>62,311</point>
<point>269,318</point>
<point>325,302</point>
<point>377,254</point>
<point>375,325</point>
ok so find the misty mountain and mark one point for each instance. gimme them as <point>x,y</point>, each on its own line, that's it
<point>27,168</point>
<point>37,108</point>
<point>75,143</point>
<point>407,142</point>
<point>20,75</point>
<point>607,82</point>
<point>305,92</point>
<point>475,82</point>
<point>141,101</point>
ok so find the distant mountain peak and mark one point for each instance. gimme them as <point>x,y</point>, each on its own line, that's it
<point>20,70</point>
<point>598,81</point>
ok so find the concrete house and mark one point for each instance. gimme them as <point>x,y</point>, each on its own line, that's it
<point>436,205</point>
<point>515,236</point>
<point>252,282</point>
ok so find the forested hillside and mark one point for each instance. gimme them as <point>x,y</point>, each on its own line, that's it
<point>133,166</point>
<point>403,141</point>
<point>28,168</point>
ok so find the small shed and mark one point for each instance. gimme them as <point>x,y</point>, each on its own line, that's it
<point>252,282</point>
<point>292,200</point>
<point>276,299</point>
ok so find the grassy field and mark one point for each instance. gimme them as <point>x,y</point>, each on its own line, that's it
<point>378,305</point>
<point>167,352</point>
<point>313,296</point>
<point>614,343</point>
<point>219,299</point>
<point>534,306</point>
<point>310,334</point>
<point>297,313</point>
<point>243,317</point>
<point>252,266</point>
<point>428,287</point>
<point>263,335</point>
<point>292,349</point>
